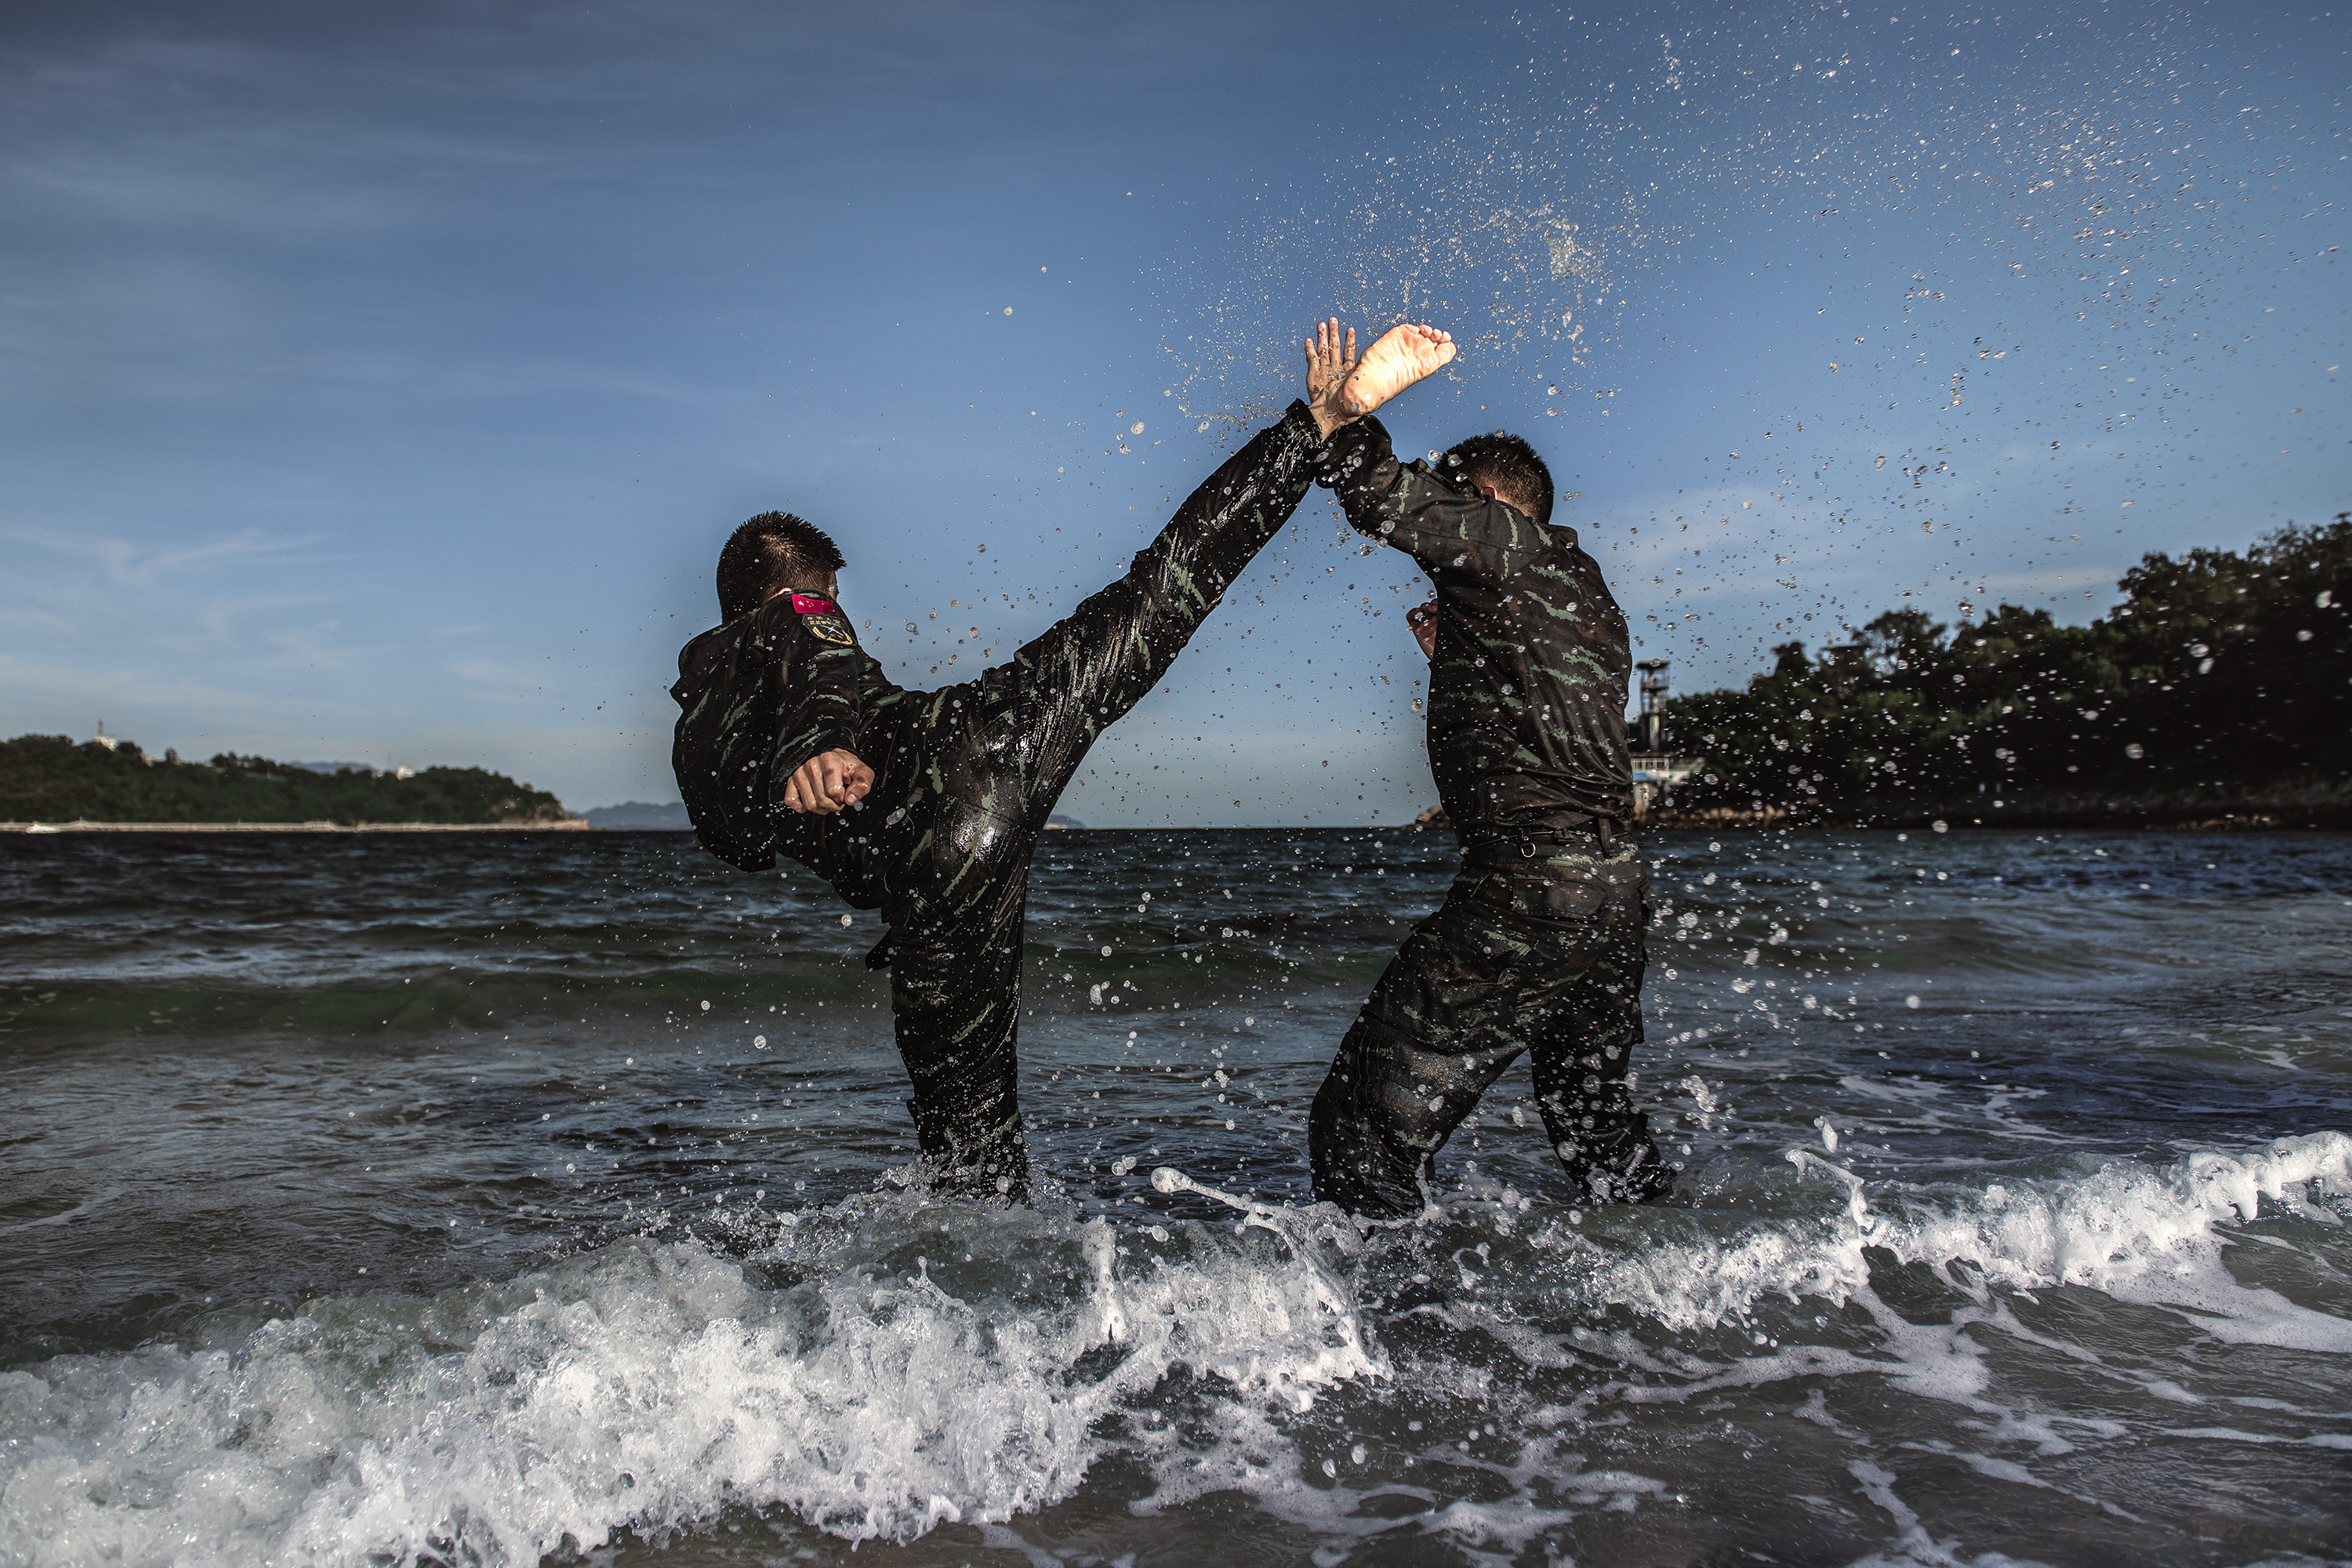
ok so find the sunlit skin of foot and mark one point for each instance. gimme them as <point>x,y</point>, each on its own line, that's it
<point>1398,358</point>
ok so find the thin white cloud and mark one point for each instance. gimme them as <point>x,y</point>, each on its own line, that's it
<point>313,647</point>
<point>133,565</point>
<point>511,679</point>
<point>116,689</point>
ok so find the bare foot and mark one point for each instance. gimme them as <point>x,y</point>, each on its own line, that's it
<point>1327,365</point>
<point>1401,356</point>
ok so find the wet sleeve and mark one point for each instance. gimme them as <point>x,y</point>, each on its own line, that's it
<point>820,709</point>
<point>1449,531</point>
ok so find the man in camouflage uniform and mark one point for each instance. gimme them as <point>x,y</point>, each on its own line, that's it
<point>925,804</point>
<point>1539,946</point>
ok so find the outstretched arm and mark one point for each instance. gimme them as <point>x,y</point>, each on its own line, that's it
<point>1447,525</point>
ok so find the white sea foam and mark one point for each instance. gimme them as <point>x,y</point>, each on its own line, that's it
<point>2150,1234</point>
<point>657,1385</point>
<point>645,1384</point>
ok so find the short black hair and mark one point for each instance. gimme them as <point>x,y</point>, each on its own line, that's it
<point>1506,462</point>
<point>772,550</point>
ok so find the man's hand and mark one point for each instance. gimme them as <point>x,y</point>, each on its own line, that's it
<point>1330,362</point>
<point>1422,619</point>
<point>827,783</point>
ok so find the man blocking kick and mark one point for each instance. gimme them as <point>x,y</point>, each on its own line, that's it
<point>925,804</point>
<point>1539,946</point>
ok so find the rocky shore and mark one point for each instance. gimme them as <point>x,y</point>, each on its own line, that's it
<point>2326,807</point>
<point>559,824</point>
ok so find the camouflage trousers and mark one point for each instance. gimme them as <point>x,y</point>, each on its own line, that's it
<point>999,752</point>
<point>1543,956</point>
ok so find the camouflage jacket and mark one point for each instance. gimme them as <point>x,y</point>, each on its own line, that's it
<point>1527,692</point>
<point>761,695</point>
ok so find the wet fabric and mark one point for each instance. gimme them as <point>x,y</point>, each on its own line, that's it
<point>964,780</point>
<point>761,695</point>
<point>1539,948</point>
<point>1527,689</point>
<point>1545,959</point>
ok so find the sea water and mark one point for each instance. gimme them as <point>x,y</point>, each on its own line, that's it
<point>420,1199</point>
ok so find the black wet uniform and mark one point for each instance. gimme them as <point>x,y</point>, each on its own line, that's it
<point>1539,946</point>
<point>964,780</point>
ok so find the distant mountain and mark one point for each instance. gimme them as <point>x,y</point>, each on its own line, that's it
<point>332,767</point>
<point>640,816</point>
<point>1058,820</point>
<point>50,778</point>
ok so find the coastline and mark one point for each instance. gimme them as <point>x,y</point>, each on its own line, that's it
<point>2318,807</point>
<point>1953,820</point>
<point>2309,806</point>
<point>566,824</point>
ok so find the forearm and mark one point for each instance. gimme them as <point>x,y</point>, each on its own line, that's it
<point>826,716</point>
<point>1447,529</point>
<point>1362,469</point>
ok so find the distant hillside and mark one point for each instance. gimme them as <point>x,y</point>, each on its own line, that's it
<point>49,778</point>
<point>2222,677</point>
<point>640,816</point>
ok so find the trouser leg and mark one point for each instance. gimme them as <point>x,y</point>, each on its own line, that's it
<point>1474,986</point>
<point>1001,765</point>
<point>1394,1095</point>
<point>1432,1036</point>
<point>955,998</point>
<point>1085,672</point>
<point>1582,1048</point>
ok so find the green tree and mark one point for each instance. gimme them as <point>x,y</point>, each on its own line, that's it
<point>48,778</point>
<point>2220,672</point>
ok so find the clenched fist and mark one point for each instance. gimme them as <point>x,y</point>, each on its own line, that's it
<point>1422,619</point>
<point>828,783</point>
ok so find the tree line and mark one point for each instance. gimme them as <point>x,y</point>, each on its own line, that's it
<point>50,778</point>
<point>2221,677</point>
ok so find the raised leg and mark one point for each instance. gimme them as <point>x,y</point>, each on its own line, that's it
<point>1070,684</point>
<point>999,767</point>
<point>1398,358</point>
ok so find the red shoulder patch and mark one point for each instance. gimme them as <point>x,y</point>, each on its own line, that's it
<point>810,605</point>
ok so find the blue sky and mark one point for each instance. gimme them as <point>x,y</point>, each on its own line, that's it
<point>377,383</point>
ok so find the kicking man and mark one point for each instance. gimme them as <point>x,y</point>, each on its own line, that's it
<point>925,804</point>
<point>1539,946</point>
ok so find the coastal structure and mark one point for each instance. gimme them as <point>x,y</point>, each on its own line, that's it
<point>1657,768</point>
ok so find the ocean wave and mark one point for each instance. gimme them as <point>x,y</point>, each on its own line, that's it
<point>652,1387</point>
<point>886,1365</point>
<point>2150,1235</point>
